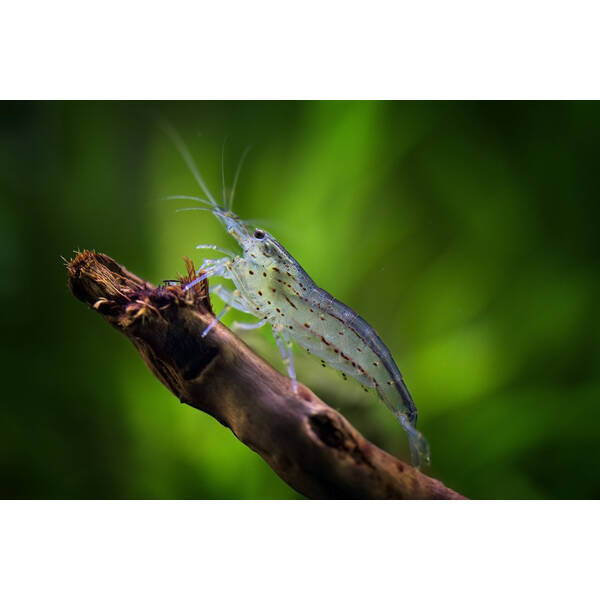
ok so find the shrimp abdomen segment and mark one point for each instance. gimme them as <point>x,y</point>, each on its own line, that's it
<point>323,339</point>
<point>357,350</point>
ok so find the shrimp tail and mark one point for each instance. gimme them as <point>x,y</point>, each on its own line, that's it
<point>398,399</point>
<point>419,447</point>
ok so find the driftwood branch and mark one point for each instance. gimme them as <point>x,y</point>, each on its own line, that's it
<point>307,443</point>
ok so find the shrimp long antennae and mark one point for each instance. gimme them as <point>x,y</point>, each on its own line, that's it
<point>193,208</point>
<point>237,174</point>
<point>194,198</point>
<point>223,175</point>
<point>187,157</point>
<point>261,223</point>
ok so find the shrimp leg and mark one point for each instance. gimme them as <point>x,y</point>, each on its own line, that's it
<point>210,262</point>
<point>247,326</point>
<point>285,348</point>
<point>232,300</point>
<point>216,248</point>
<point>236,301</point>
<point>229,297</point>
<point>217,318</point>
<point>216,268</point>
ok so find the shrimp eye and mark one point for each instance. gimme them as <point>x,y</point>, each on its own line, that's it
<point>259,234</point>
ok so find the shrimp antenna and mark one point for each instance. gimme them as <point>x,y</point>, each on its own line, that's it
<point>223,175</point>
<point>259,222</point>
<point>194,198</point>
<point>187,157</point>
<point>192,208</point>
<point>237,174</point>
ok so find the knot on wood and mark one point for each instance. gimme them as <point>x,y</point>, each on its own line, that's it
<point>327,430</point>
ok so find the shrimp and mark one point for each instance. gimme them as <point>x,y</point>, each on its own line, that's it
<point>272,286</point>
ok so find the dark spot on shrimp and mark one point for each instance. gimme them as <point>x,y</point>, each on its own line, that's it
<point>390,383</point>
<point>325,341</point>
<point>251,272</point>
<point>353,364</point>
<point>259,293</point>
<point>336,350</point>
<point>268,302</point>
<point>290,302</point>
<point>290,327</point>
<point>375,364</point>
<point>264,274</point>
<point>273,290</point>
<point>311,310</point>
<point>358,349</point>
<point>278,310</point>
<point>322,318</point>
<point>344,356</point>
<point>252,255</point>
<point>275,269</point>
<point>341,332</point>
<point>307,325</point>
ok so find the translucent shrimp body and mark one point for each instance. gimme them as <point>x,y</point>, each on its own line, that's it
<point>271,285</point>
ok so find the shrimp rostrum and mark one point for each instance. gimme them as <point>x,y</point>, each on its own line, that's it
<point>272,286</point>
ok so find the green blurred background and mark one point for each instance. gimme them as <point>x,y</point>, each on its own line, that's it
<point>464,232</point>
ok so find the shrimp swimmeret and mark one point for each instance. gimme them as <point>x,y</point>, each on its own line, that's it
<point>271,285</point>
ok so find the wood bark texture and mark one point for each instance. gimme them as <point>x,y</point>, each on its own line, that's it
<point>307,443</point>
